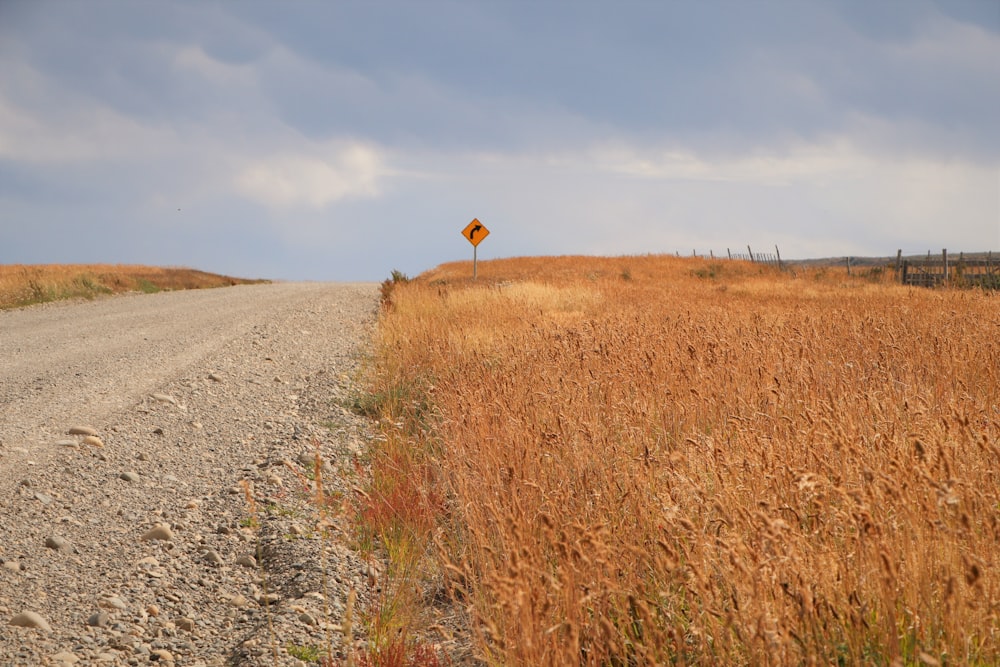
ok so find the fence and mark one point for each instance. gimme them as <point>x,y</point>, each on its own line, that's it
<point>748,256</point>
<point>758,257</point>
<point>949,270</point>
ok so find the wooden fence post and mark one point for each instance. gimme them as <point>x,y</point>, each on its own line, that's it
<point>899,257</point>
<point>750,251</point>
<point>848,266</point>
<point>944,260</point>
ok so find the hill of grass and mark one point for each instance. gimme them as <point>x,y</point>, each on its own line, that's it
<point>24,285</point>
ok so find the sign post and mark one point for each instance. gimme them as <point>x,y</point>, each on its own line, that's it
<point>475,232</point>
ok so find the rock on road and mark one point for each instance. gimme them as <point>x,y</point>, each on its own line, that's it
<point>177,527</point>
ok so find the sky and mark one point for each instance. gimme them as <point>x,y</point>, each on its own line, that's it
<point>344,139</point>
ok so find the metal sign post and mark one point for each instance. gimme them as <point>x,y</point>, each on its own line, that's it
<point>475,232</point>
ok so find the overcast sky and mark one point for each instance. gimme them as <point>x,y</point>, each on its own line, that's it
<point>340,140</point>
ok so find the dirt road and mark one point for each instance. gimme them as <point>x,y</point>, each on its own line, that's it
<point>194,396</point>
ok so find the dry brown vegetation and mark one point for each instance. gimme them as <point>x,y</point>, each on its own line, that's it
<point>22,285</point>
<point>652,460</point>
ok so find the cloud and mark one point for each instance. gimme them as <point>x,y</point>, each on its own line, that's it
<point>349,170</point>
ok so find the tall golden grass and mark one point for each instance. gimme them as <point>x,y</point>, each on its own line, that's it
<point>653,460</point>
<point>23,284</point>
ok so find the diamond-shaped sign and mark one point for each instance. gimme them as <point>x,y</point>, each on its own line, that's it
<point>475,232</point>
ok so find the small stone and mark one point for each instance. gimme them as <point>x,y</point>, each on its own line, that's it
<point>157,431</point>
<point>307,618</point>
<point>99,619</point>
<point>142,456</point>
<point>162,655</point>
<point>246,560</point>
<point>57,542</point>
<point>212,556</point>
<point>65,658</point>
<point>82,430</point>
<point>43,499</point>
<point>185,624</point>
<point>159,532</point>
<point>12,565</point>
<point>93,441</point>
<point>130,476</point>
<point>152,610</point>
<point>114,602</point>
<point>238,601</point>
<point>71,444</point>
<point>30,619</point>
<point>165,398</point>
<point>214,377</point>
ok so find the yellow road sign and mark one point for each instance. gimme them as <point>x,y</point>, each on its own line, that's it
<point>475,231</point>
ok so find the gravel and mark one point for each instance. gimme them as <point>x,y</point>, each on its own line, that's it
<point>157,458</point>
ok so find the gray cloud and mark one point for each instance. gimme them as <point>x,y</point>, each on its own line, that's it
<point>345,139</point>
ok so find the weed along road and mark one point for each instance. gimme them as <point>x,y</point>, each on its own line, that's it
<point>146,444</point>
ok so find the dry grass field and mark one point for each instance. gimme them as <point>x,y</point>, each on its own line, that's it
<point>653,460</point>
<point>24,285</point>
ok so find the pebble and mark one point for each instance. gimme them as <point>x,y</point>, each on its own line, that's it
<point>98,619</point>
<point>65,658</point>
<point>212,556</point>
<point>93,441</point>
<point>114,602</point>
<point>130,476</point>
<point>165,398</point>
<point>30,619</point>
<point>82,430</point>
<point>246,560</point>
<point>58,543</point>
<point>159,532</point>
<point>161,654</point>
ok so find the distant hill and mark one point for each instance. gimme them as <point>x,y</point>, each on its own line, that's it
<point>889,260</point>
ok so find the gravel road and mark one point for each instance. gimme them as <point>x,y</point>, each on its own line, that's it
<point>180,530</point>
